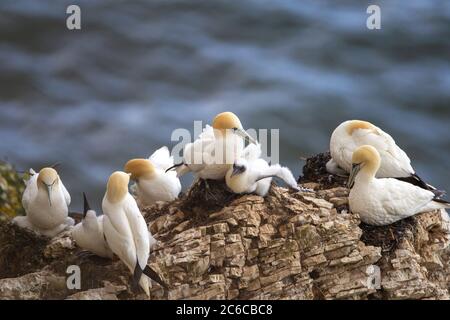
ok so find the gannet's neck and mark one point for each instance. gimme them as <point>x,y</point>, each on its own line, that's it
<point>369,170</point>
<point>117,187</point>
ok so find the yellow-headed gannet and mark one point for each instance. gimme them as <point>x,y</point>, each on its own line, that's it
<point>210,155</point>
<point>350,135</point>
<point>46,203</point>
<point>153,183</point>
<point>382,201</point>
<point>88,234</point>
<point>251,174</point>
<point>126,231</point>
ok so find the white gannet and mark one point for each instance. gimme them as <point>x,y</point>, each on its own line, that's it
<point>88,234</point>
<point>351,134</point>
<point>251,174</point>
<point>153,183</point>
<point>210,155</point>
<point>382,201</point>
<point>46,202</point>
<point>126,231</point>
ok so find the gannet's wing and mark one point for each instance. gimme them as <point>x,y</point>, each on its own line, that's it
<point>120,240</point>
<point>161,158</point>
<point>403,199</point>
<point>139,230</point>
<point>278,171</point>
<point>395,159</point>
<point>31,189</point>
<point>66,193</point>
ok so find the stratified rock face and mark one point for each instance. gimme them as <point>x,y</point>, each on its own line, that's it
<point>216,245</point>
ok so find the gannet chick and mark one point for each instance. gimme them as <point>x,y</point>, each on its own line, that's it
<point>385,200</point>
<point>153,183</point>
<point>254,175</point>
<point>350,135</point>
<point>126,231</point>
<point>88,234</point>
<point>46,203</point>
<point>219,145</point>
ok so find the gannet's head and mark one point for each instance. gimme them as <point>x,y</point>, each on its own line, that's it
<point>365,158</point>
<point>353,125</point>
<point>48,179</point>
<point>87,211</point>
<point>229,121</point>
<point>239,167</point>
<point>139,168</point>
<point>117,187</point>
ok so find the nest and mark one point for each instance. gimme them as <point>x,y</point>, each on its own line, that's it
<point>388,237</point>
<point>21,251</point>
<point>315,171</point>
<point>205,197</point>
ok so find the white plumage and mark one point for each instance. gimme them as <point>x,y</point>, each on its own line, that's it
<point>350,135</point>
<point>88,234</point>
<point>46,202</point>
<point>251,174</point>
<point>125,228</point>
<point>153,183</point>
<point>218,146</point>
<point>382,201</point>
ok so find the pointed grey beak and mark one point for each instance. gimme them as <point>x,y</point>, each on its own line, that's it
<point>245,135</point>
<point>353,174</point>
<point>237,170</point>
<point>49,191</point>
<point>86,206</point>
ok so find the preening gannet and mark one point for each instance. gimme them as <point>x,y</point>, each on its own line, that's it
<point>126,231</point>
<point>88,234</point>
<point>210,155</point>
<point>251,174</point>
<point>153,183</point>
<point>350,135</point>
<point>46,203</point>
<point>385,200</point>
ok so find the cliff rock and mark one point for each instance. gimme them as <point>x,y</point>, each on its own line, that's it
<point>216,245</point>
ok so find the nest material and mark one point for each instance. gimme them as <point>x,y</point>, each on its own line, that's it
<point>21,251</point>
<point>315,171</point>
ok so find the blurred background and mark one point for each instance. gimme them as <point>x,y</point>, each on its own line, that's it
<point>91,99</point>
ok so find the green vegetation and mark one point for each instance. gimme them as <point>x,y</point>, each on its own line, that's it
<point>11,189</point>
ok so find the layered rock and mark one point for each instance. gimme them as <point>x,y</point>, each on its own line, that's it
<point>216,245</point>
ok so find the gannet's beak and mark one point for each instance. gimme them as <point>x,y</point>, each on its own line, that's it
<point>245,135</point>
<point>237,170</point>
<point>353,173</point>
<point>86,206</point>
<point>49,191</point>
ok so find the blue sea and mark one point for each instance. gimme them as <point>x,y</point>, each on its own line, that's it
<point>93,98</point>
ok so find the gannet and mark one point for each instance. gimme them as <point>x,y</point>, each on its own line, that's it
<point>251,174</point>
<point>126,231</point>
<point>350,135</point>
<point>46,202</point>
<point>88,234</point>
<point>153,183</point>
<point>219,145</point>
<point>382,201</point>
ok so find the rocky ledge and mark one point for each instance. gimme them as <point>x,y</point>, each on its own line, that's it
<point>216,245</point>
